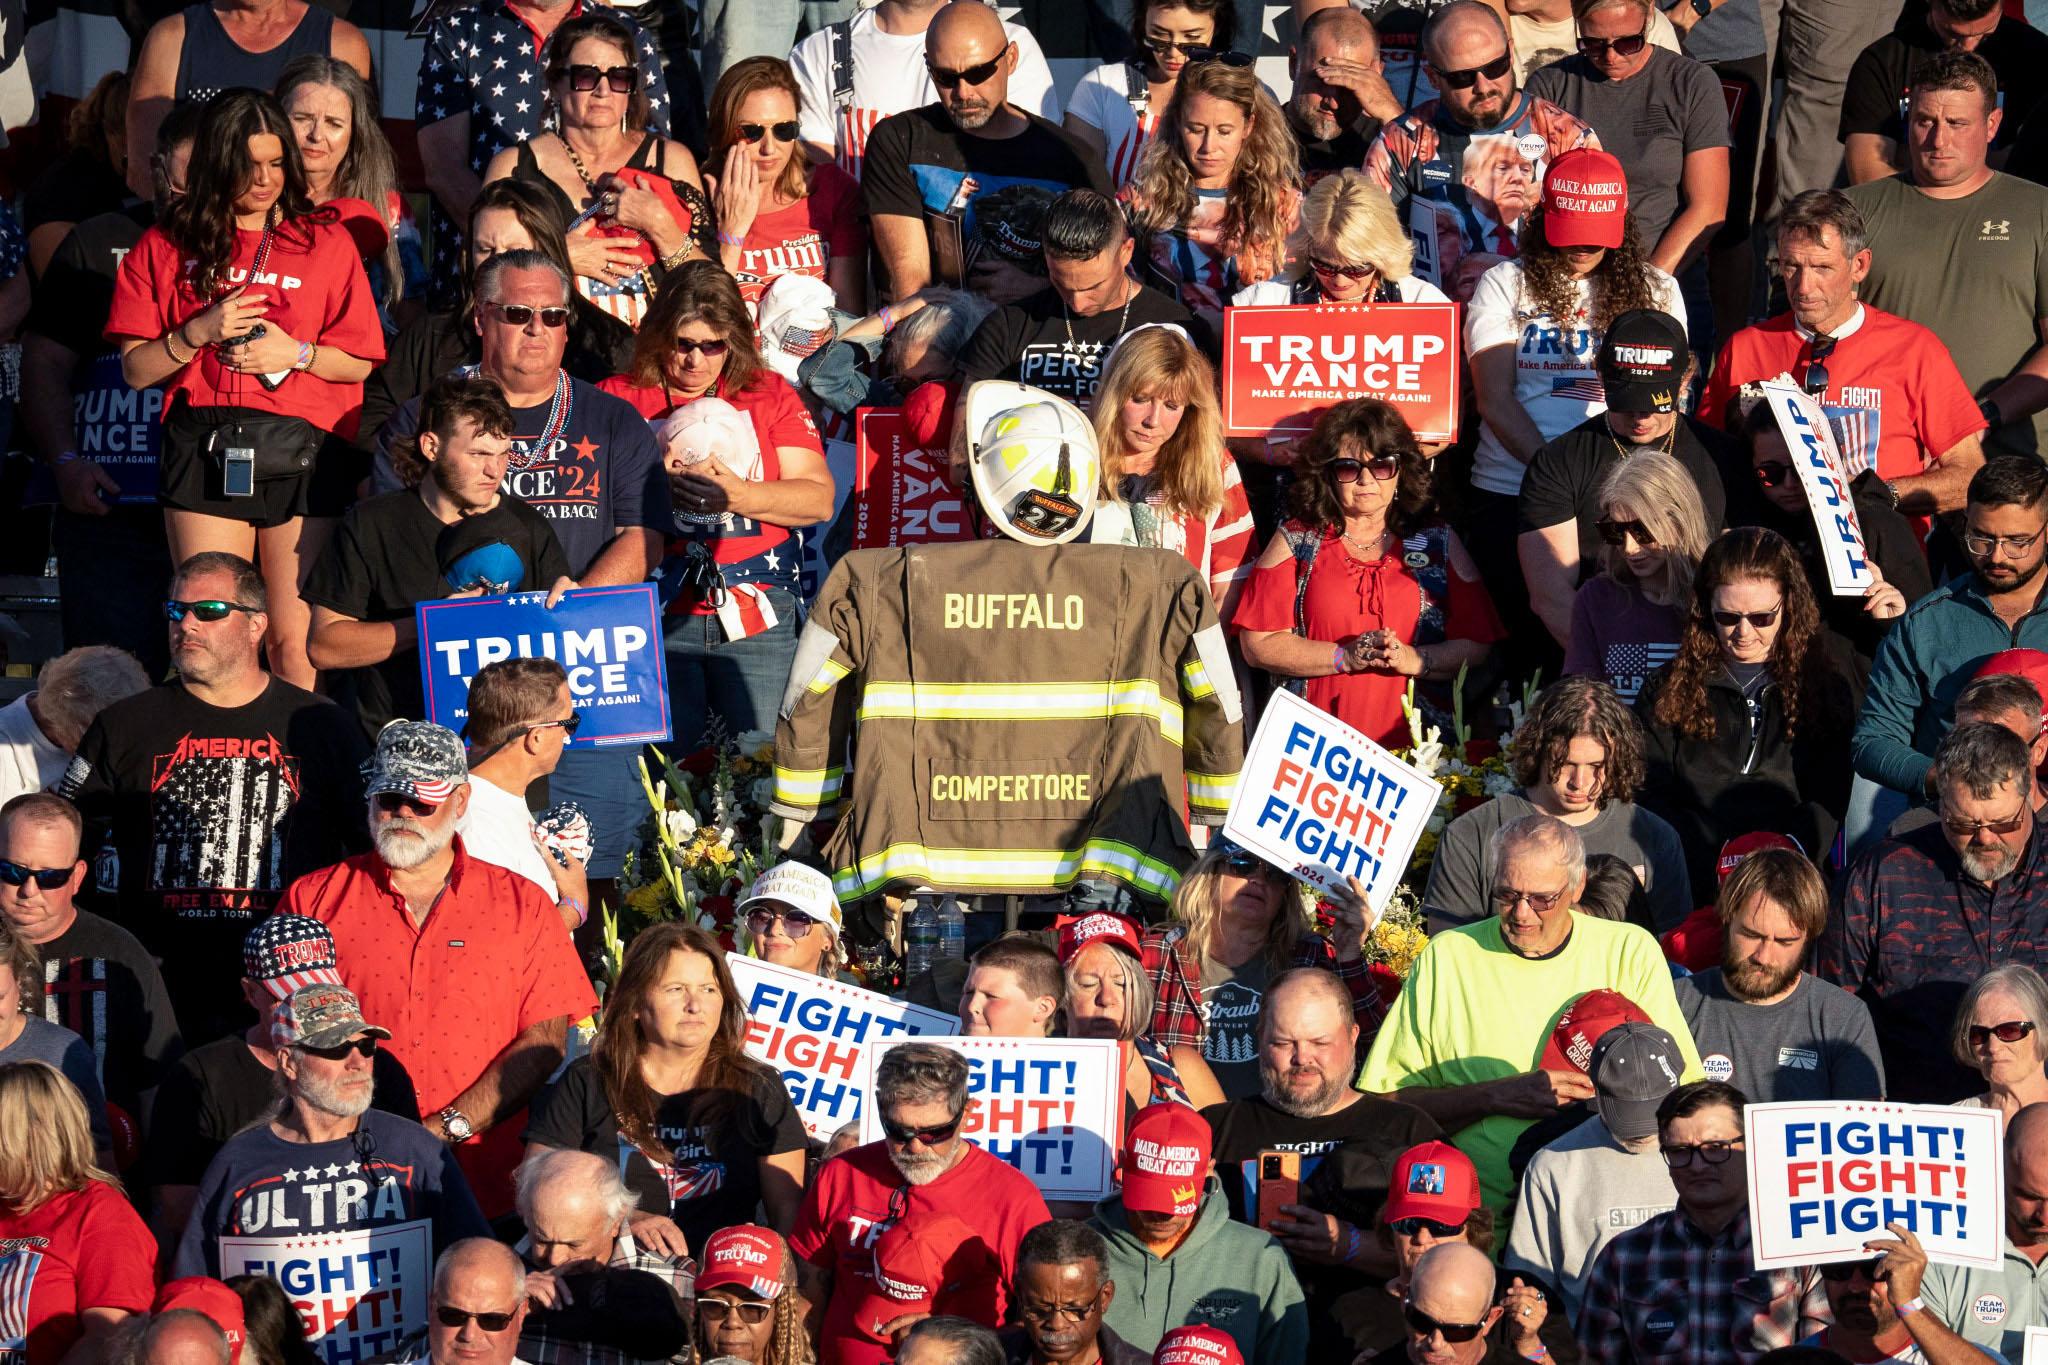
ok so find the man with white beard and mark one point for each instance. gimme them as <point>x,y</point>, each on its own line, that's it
<point>326,1170</point>
<point>482,997</point>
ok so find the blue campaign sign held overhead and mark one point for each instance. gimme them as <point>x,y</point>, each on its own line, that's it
<point>608,640</point>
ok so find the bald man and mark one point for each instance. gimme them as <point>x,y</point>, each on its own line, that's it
<point>479,1304</point>
<point>1994,1308</point>
<point>1341,96</point>
<point>184,1336</point>
<point>924,168</point>
<point>1450,1287</point>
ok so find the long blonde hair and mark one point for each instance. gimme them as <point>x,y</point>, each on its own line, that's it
<point>1264,194</point>
<point>1657,491</point>
<point>45,1138</point>
<point>1195,905</point>
<point>1159,362</point>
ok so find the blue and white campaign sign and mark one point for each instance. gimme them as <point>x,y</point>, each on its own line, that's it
<point>1320,800</point>
<point>359,1294</point>
<point>1048,1106</point>
<point>1819,461</point>
<point>119,428</point>
<point>608,640</point>
<point>1826,1177</point>
<point>811,1031</point>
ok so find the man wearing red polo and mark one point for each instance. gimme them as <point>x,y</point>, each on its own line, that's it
<point>465,962</point>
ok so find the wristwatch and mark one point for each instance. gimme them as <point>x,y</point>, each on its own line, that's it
<point>456,1126</point>
<point>1989,409</point>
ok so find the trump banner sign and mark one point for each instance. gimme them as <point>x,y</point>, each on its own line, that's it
<point>1811,442</point>
<point>901,495</point>
<point>1284,363</point>
<point>608,640</point>
<point>1319,800</point>
<point>1827,1177</point>
<point>810,1030</point>
<point>1048,1106</point>
<point>360,1294</point>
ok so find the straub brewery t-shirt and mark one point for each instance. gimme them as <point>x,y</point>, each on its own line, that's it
<point>1040,343</point>
<point>1232,998</point>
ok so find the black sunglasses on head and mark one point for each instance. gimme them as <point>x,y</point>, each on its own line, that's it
<point>1423,1325</point>
<point>946,78</point>
<point>1771,473</point>
<point>1470,76</point>
<point>1612,531</point>
<point>1409,1227</point>
<point>622,79</point>
<point>209,609</point>
<point>930,1137</point>
<point>1841,1272</point>
<point>784,131</point>
<point>48,878</point>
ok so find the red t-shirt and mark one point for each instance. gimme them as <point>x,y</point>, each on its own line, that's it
<point>805,237</point>
<point>847,1207</point>
<point>314,283</point>
<point>1346,598</point>
<point>83,1249</point>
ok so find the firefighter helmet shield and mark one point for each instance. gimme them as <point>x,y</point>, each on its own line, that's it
<point>1033,462</point>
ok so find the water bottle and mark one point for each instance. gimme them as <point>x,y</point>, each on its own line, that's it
<point>920,938</point>
<point>952,930</point>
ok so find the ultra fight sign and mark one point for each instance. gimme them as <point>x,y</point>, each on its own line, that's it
<point>1048,1106</point>
<point>1826,1178</point>
<point>1811,442</point>
<point>1325,803</point>
<point>811,1031</point>
<point>1284,363</point>
<point>359,1293</point>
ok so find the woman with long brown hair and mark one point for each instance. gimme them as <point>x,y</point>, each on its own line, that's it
<point>1748,727</point>
<point>1115,109</point>
<point>702,1132</point>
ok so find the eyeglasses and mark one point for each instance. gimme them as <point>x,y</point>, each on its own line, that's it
<point>1199,56</point>
<point>622,79</point>
<point>946,78</point>
<point>520,314</point>
<point>1629,46</point>
<point>1381,467</point>
<point>1612,532</point>
<point>1349,272</point>
<point>1470,76</point>
<point>451,1316</point>
<point>1816,381</point>
<point>711,349</point>
<point>1771,473</point>
<point>1840,1272</point>
<point>1758,620</point>
<point>362,1047</point>
<point>396,803</point>
<point>784,131</point>
<point>2011,1031</point>
<point>795,922</point>
<point>1507,898</point>
<point>48,878</point>
<point>717,1310</point>
<point>1058,1312</point>
<point>1423,1325</point>
<point>211,609</point>
<point>1243,864</point>
<point>1964,829</point>
<point>930,1137</point>
<point>570,725</point>
<point>1410,1227</point>
<point>1979,544</point>
<point>1679,1155</point>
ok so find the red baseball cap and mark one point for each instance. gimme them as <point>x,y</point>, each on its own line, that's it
<point>916,1260</point>
<point>220,1304</point>
<point>2030,664</point>
<point>1435,1181</point>
<point>1197,1346</point>
<point>1585,199</point>
<point>1166,1160</point>
<point>1756,841</point>
<point>1580,1026</point>
<point>928,413</point>
<point>1080,931</point>
<point>747,1256</point>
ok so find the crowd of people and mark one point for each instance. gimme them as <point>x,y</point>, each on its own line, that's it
<point>303,1059</point>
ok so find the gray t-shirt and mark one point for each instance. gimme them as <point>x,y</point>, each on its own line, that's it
<point>1649,122</point>
<point>1457,879</point>
<point>43,1041</point>
<point>1972,270</point>
<point>1730,33</point>
<point>1234,998</point>
<point>1579,1194</point>
<point>1815,1044</point>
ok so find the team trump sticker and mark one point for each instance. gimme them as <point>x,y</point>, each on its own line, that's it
<point>1284,363</point>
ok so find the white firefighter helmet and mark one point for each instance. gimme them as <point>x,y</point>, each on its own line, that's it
<point>1032,458</point>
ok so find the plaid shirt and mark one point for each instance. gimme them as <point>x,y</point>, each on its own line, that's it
<point>1181,1018</point>
<point>537,1346</point>
<point>1669,1292</point>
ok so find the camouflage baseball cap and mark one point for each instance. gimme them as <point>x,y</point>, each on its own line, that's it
<point>419,759</point>
<point>321,1016</point>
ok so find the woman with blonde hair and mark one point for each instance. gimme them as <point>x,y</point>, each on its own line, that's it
<point>1628,618</point>
<point>1168,480</point>
<point>95,1259</point>
<point>1217,191</point>
<point>1349,248</point>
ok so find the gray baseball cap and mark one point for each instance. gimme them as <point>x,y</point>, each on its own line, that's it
<point>1634,1067</point>
<point>419,759</point>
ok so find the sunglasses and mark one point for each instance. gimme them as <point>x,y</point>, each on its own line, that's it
<point>711,350</point>
<point>1597,48</point>
<point>1680,1155</point>
<point>451,1316</point>
<point>1964,829</point>
<point>520,314</point>
<point>1613,531</point>
<point>1349,272</point>
<point>48,878</point>
<point>1507,898</point>
<point>795,922</point>
<point>1423,1325</point>
<point>717,1310</point>
<point>1382,468</point>
<point>1198,56</point>
<point>1470,76</point>
<point>212,609</point>
<point>930,1137</point>
<point>784,131</point>
<point>1242,864</point>
<point>622,79</point>
<point>1410,1227</point>
<point>1840,1272</point>
<point>570,725</point>
<point>362,1047</point>
<point>1159,47</point>
<point>1816,380</point>
<point>2011,1031</point>
<point>1771,473</point>
<point>397,803</point>
<point>1758,620</point>
<point>945,78</point>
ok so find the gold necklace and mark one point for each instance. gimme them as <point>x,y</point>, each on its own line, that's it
<point>1375,549</point>
<point>1670,440</point>
<point>577,162</point>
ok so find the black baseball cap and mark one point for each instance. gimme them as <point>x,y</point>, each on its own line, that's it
<point>1642,361</point>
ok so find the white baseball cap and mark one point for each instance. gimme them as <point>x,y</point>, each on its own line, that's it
<point>796,319</point>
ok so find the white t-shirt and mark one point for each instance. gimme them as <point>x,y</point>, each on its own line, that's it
<point>1538,43</point>
<point>1102,99</point>
<point>1555,380</point>
<point>29,762</point>
<point>889,77</point>
<point>498,828</point>
<point>1411,288</point>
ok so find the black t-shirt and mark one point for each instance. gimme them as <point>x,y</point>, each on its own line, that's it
<point>79,186</point>
<point>103,985</point>
<point>1344,152</point>
<point>216,1091</point>
<point>1563,481</point>
<point>1874,99</point>
<point>212,812</point>
<point>717,1139</point>
<point>1037,342</point>
<point>382,561</point>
